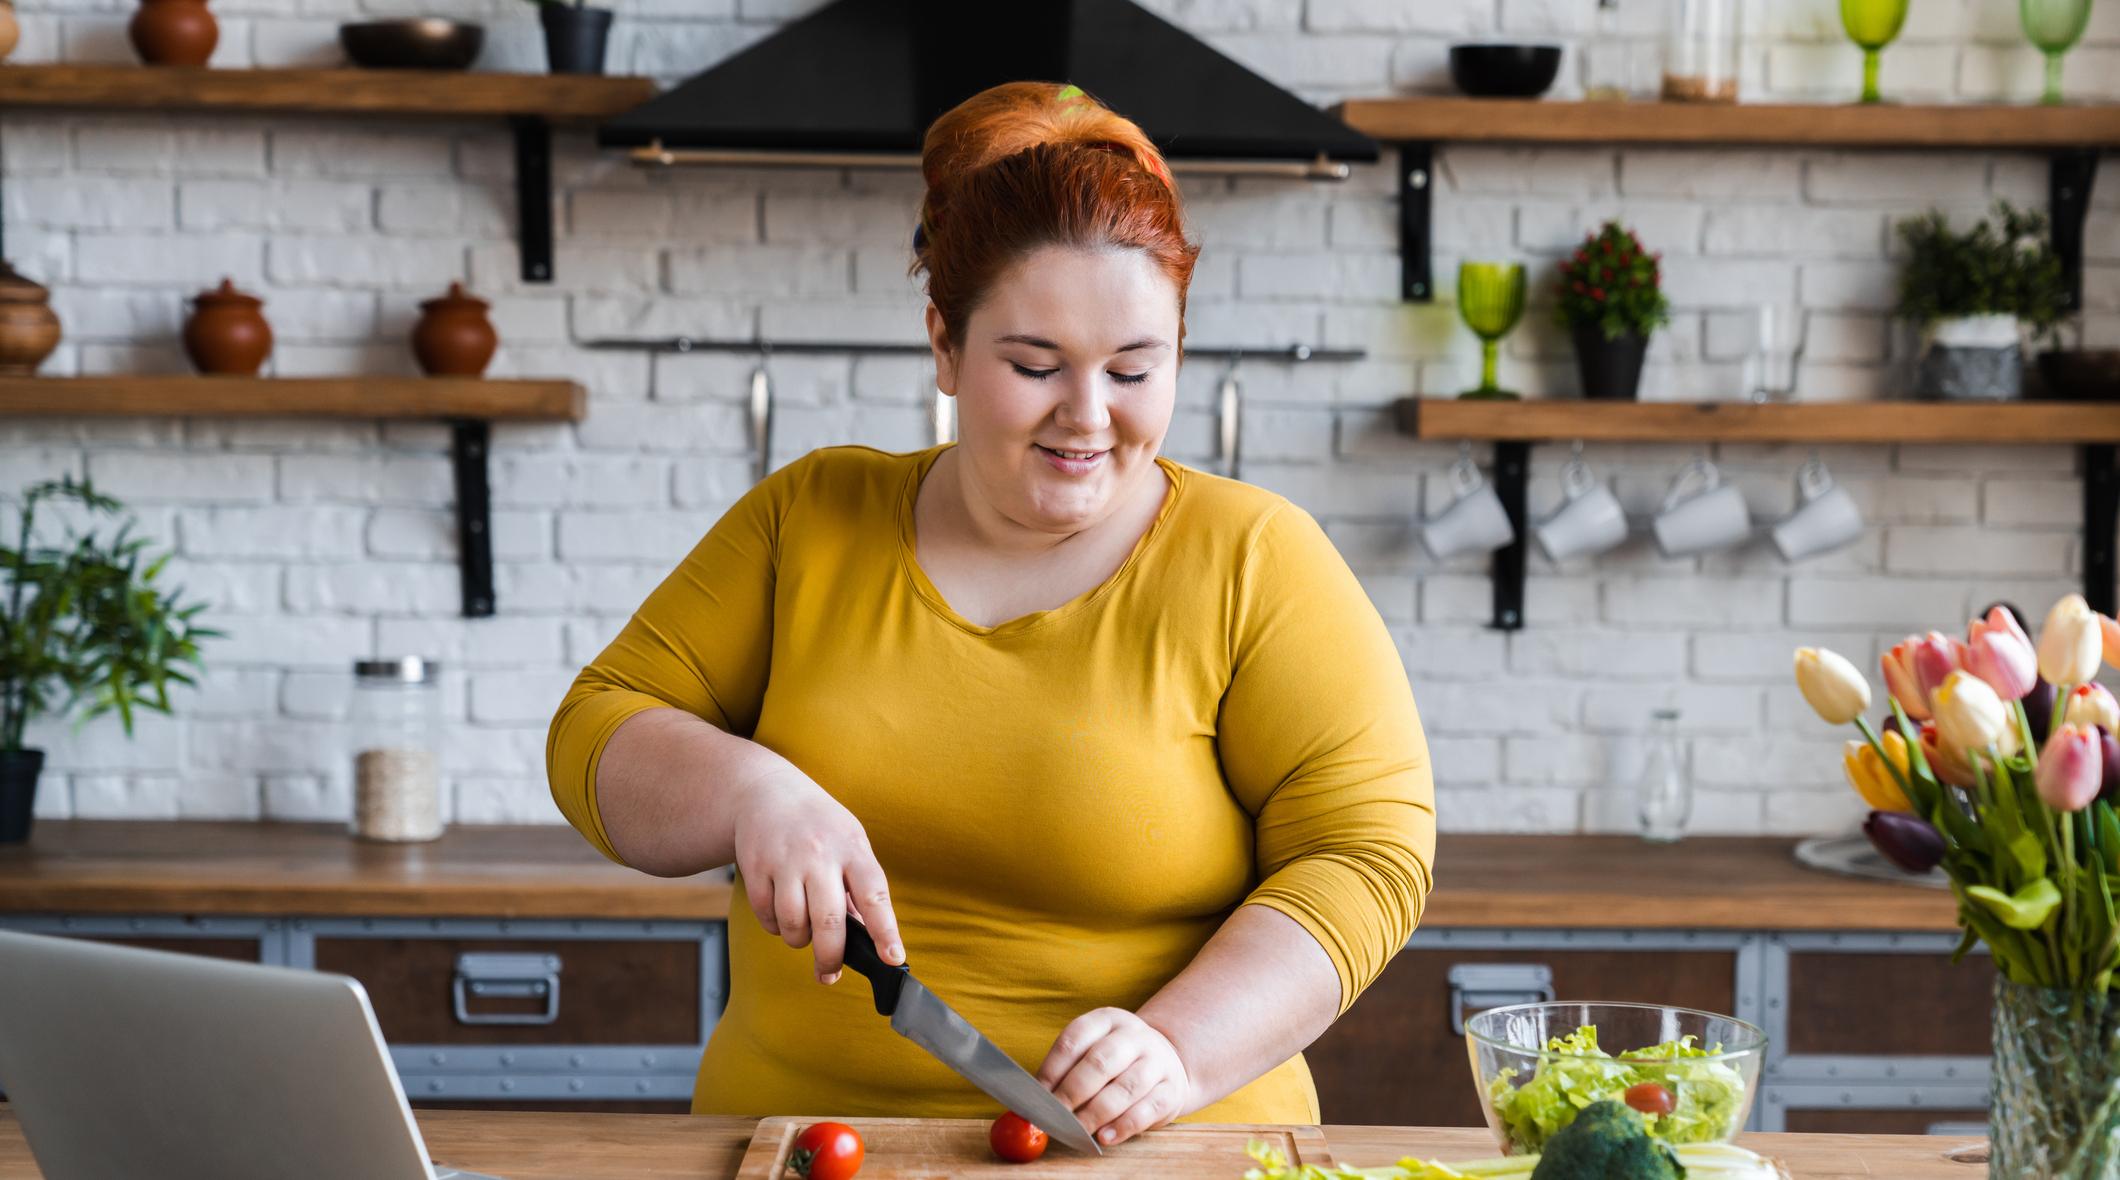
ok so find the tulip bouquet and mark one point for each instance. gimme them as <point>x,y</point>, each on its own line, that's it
<point>1998,763</point>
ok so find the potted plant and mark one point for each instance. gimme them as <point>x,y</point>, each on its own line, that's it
<point>1970,292</point>
<point>1610,297</point>
<point>82,624</point>
<point>574,36</point>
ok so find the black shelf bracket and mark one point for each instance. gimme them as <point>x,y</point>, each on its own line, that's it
<point>2069,176</point>
<point>1416,180</point>
<point>533,196</point>
<point>469,440</point>
<point>1512,476</point>
<point>2101,520</point>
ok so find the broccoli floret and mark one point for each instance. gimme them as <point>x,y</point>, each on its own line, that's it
<point>1607,1142</point>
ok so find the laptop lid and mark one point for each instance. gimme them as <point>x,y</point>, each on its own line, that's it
<point>124,1063</point>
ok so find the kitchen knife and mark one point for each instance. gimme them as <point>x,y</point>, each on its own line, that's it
<point>918,1016</point>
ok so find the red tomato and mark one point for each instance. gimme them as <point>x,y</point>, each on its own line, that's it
<point>1015,1139</point>
<point>826,1151</point>
<point>1650,1098</point>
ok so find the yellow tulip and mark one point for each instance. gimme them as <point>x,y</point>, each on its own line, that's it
<point>1831,684</point>
<point>2071,645</point>
<point>1869,776</point>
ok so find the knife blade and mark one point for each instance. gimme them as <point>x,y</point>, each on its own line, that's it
<point>921,1017</point>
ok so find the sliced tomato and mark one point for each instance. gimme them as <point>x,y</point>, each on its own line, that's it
<point>826,1151</point>
<point>1015,1139</point>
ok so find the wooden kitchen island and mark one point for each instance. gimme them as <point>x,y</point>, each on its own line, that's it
<point>1870,1027</point>
<point>679,1147</point>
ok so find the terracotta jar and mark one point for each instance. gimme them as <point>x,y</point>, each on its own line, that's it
<point>453,337</point>
<point>227,332</point>
<point>10,30</point>
<point>28,329</point>
<point>174,32</point>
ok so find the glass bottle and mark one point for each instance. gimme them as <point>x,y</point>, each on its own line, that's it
<point>1701,51</point>
<point>396,721</point>
<point>1664,798</point>
<point>1605,77</point>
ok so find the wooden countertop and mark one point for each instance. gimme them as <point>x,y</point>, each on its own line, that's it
<point>1553,882</point>
<point>539,1146</point>
<point>142,866</point>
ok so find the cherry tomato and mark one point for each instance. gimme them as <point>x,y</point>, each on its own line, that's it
<point>826,1151</point>
<point>1650,1098</point>
<point>1015,1139</point>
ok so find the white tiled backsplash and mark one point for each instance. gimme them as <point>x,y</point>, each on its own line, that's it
<point>319,543</point>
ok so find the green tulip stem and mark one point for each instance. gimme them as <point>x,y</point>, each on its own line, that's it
<point>2053,721</point>
<point>2024,730</point>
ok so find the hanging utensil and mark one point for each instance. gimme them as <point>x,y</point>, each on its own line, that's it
<point>1232,421</point>
<point>761,419</point>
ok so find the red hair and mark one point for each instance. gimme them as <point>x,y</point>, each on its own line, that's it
<point>1027,165</point>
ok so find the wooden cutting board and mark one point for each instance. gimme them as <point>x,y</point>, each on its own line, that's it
<point>931,1149</point>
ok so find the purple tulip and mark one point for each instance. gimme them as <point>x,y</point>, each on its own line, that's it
<point>2039,708</point>
<point>2109,779</point>
<point>1905,840</point>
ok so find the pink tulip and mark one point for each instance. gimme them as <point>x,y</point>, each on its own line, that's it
<point>2070,768</point>
<point>1999,652</point>
<point>1916,666</point>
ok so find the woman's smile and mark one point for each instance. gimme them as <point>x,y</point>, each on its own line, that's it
<point>1071,462</point>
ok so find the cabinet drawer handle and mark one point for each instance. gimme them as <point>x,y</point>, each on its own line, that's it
<point>1491,985</point>
<point>507,977</point>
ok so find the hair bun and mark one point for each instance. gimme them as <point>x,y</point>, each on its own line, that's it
<point>1016,116</point>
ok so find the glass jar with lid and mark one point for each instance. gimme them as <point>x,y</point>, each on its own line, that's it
<point>1701,42</point>
<point>396,721</point>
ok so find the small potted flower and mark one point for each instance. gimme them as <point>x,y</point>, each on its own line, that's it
<point>1610,297</point>
<point>1971,294</point>
<point>575,35</point>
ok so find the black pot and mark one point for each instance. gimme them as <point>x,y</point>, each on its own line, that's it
<point>18,792</point>
<point>574,37</point>
<point>1612,369</point>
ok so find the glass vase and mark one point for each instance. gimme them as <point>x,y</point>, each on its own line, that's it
<point>2054,26</point>
<point>2055,1085</point>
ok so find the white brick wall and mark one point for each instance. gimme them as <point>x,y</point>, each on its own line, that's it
<point>316,543</point>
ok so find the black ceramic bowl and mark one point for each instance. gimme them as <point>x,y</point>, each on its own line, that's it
<point>429,44</point>
<point>1504,71</point>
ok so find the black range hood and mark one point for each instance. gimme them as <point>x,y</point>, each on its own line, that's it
<point>866,77</point>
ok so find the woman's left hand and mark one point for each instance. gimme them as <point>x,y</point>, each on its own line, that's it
<point>1117,1073</point>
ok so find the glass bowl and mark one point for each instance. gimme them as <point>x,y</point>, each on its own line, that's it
<point>1530,1087</point>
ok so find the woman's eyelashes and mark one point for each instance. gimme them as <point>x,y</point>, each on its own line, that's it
<point>1041,374</point>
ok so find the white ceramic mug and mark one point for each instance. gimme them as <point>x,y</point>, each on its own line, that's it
<point>1474,521</point>
<point>1713,517</point>
<point>1825,519</point>
<point>1589,519</point>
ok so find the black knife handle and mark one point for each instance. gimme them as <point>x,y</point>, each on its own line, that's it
<point>886,980</point>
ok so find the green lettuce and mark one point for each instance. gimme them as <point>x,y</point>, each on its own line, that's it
<point>1710,1094</point>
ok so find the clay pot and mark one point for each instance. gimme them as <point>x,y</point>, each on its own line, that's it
<point>10,31</point>
<point>174,32</point>
<point>453,337</point>
<point>28,329</point>
<point>227,332</point>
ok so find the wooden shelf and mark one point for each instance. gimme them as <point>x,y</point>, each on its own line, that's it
<point>1691,422</point>
<point>416,93</point>
<point>1488,120</point>
<point>291,397</point>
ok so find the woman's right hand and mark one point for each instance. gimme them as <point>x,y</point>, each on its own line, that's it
<point>803,856</point>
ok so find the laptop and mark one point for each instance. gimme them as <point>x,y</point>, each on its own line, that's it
<point>124,1063</point>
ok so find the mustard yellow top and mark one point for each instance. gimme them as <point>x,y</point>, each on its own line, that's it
<point>1067,805</point>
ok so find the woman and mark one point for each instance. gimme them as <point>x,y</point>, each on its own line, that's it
<point>1111,749</point>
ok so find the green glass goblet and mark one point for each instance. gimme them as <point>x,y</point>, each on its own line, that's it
<point>2054,26</point>
<point>1872,24</point>
<point>1491,299</point>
